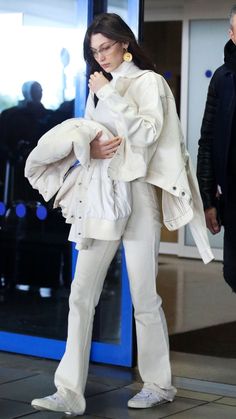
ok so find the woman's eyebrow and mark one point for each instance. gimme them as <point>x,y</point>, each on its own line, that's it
<point>95,49</point>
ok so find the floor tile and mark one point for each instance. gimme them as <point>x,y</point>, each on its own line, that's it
<point>29,363</point>
<point>111,375</point>
<point>196,395</point>
<point>205,386</point>
<point>10,374</point>
<point>208,411</point>
<point>231,401</point>
<point>12,409</point>
<point>114,405</point>
<point>27,389</point>
<point>135,386</point>
<point>42,385</point>
<point>219,370</point>
<point>93,388</point>
<point>55,415</point>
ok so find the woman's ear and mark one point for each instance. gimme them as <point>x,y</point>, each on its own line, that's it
<point>125,45</point>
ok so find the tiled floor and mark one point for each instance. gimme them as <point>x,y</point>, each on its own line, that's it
<point>194,296</point>
<point>109,388</point>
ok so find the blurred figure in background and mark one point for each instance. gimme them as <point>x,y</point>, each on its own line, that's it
<point>28,258</point>
<point>20,128</point>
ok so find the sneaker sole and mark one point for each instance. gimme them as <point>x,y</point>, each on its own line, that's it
<point>148,407</point>
<point>40,408</point>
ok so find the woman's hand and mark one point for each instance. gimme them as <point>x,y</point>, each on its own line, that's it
<point>104,149</point>
<point>97,81</point>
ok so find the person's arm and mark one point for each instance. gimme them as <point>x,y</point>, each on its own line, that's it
<point>141,125</point>
<point>89,108</point>
<point>100,149</point>
<point>205,164</point>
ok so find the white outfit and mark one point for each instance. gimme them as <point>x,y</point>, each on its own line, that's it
<point>141,241</point>
<point>141,244</point>
<point>138,106</point>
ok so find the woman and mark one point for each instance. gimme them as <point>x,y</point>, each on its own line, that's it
<point>128,99</point>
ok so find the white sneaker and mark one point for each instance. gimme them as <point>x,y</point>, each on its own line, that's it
<point>56,403</point>
<point>146,398</point>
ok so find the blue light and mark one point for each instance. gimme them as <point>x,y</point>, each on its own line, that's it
<point>41,212</point>
<point>2,208</point>
<point>208,73</point>
<point>20,210</point>
<point>167,75</point>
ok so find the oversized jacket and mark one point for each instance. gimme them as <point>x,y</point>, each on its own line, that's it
<point>95,205</point>
<point>153,149</point>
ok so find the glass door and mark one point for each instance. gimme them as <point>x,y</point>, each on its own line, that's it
<point>41,59</point>
<point>44,53</point>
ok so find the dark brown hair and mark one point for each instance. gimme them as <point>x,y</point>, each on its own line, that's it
<point>113,27</point>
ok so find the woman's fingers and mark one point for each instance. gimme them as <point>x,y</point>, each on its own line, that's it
<point>99,134</point>
<point>112,144</point>
<point>110,147</point>
<point>104,149</point>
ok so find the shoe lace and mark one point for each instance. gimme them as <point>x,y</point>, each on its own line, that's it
<point>55,396</point>
<point>58,398</point>
<point>147,393</point>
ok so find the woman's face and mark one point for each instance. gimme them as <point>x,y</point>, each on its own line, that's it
<point>107,52</point>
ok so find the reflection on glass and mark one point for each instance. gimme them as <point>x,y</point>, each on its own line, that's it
<point>36,53</point>
<point>35,256</point>
<point>35,269</point>
<point>118,6</point>
<point>39,305</point>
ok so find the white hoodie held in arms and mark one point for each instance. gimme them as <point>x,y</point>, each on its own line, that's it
<point>96,206</point>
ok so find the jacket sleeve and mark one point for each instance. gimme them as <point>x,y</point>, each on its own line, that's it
<point>141,124</point>
<point>89,108</point>
<point>205,165</point>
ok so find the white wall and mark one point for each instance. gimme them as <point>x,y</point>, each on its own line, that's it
<point>63,11</point>
<point>157,10</point>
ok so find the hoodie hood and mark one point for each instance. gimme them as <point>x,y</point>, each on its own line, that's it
<point>230,55</point>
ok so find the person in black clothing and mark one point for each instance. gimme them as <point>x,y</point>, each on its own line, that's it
<point>216,166</point>
<point>30,254</point>
<point>20,129</point>
<point>65,111</point>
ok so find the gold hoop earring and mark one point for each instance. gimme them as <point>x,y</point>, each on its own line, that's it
<point>127,56</point>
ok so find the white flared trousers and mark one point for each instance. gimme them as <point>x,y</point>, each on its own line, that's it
<point>141,244</point>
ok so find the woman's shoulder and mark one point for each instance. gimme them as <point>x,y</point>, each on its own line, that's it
<point>147,78</point>
<point>148,75</point>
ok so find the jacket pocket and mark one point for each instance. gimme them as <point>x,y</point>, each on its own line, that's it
<point>177,211</point>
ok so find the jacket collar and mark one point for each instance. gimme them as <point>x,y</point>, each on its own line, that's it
<point>127,70</point>
<point>230,55</point>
